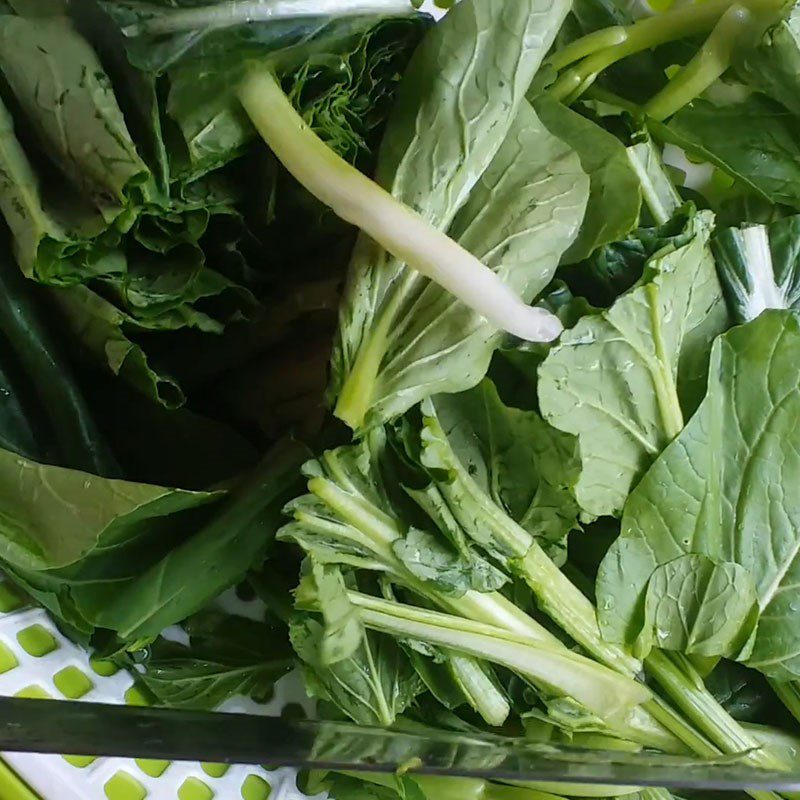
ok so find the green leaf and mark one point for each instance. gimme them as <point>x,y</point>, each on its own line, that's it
<point>429,559</point>
<point>52,516</point>
<point>622,381</point>
<point>372,687</point>
<point>616,267</point>
<point>343,94</point>
<point>60,84</point>
<point>52,225</point>
<point>400,337</point>
<point>615,197</point>
<point>535,184</point>
<point>743,692</point>
<point>758,266</point>
<point>774,66</point>
<point>78,442</point>
<point>723,490</point>
<point>699,607</point>
<point>343,631</point>
<point>193,451</point>
<point>107,334</point>
<point>526,467</point>
<point>760,147</point>
<point>227,656</point>
<point>221,549</point>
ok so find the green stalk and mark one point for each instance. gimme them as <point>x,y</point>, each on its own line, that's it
<point>376,531</point>
<point>478,688</point>
<point>587,45</point>
<point>355,397</point>
<point>371,530</point>
<point>600,690</point>
<point>789,694</point>
<point>785,744</point>
<point>675,674</point>
<point>678,23</point>
<point>660,195</point>
<point>708,64</point>
<point>396,227</point>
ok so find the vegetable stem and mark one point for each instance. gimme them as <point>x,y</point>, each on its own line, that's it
<point>713,58</point>
<point>569,607</point>
<point>677,676</point>
<point>660,195</point>
<point>678,23</point>
<point>397,228</point>
<point>599,689</point>
<point>586,45</point>
<point>666,390</point>
<point>480,691</point>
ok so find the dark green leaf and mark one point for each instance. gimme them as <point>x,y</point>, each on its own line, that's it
<point>219,552</point>
<point>226,657</point>
<point>760,147</point>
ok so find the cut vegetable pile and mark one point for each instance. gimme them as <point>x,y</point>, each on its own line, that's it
<point>471,348</point>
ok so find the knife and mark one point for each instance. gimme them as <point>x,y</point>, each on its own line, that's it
<point>94,729</point>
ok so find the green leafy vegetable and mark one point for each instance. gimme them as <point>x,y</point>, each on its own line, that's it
<point>615,197</point>
<point>622,381</point>
<point>757,265</point>
<point>225,657</point>
<point>432,169</point>
<point>774,66</point>
<point>730,512</point>
<point>759,149</point>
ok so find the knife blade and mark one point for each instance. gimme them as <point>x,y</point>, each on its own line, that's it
<point>94,729</point>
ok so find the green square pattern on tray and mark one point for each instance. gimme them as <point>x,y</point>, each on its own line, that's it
<point>36,660</point>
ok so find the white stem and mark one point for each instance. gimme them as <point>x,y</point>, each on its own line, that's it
<point>764,292</point>
<point>397,228</point>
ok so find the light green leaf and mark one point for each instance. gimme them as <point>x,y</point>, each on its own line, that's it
<point>525,466</point>
<point>622,381</point>
<point>400,337</point>
<point>699,607</point>
<point>428,558</point>
<point>725,489</point>
<point>343,632</point>
<point>615,198</point>
<point>371,687</point>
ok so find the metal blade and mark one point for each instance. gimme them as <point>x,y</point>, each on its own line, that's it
<point>92,729</point>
